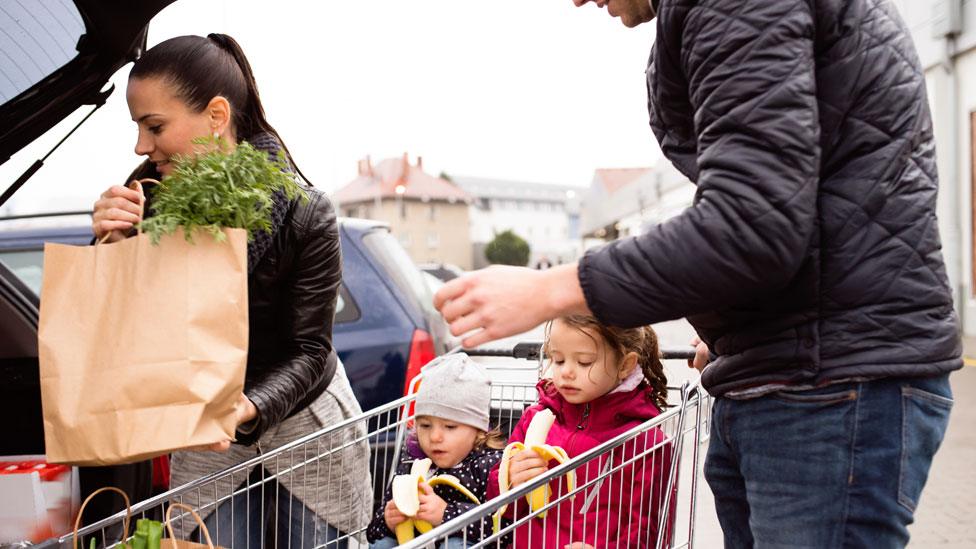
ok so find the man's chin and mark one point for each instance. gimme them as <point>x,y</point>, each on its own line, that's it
<point>631,21</point>
<point>632,24</point>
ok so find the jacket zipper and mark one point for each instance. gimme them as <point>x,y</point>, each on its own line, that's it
<point>584,417</point>
<point>580,425</point>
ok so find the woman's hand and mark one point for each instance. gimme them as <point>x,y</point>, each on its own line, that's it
<point>246,411</point>
<point>431,505</point>
<point>116,211</point>
<point>392,515</point>
<point>525,466</point>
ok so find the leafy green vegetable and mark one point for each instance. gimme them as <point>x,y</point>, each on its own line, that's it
<point>217,189</point>
<point>141,533</point>
<point>155,535</point>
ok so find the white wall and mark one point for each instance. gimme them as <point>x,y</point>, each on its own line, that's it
<point>950,70</point>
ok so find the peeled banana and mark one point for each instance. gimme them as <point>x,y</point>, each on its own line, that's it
<point>535,440</point>
<point>406,497</point>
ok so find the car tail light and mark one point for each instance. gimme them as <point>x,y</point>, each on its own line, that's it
<point>421,352</point>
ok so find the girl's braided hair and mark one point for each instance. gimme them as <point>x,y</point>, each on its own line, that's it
<point>621,341</point>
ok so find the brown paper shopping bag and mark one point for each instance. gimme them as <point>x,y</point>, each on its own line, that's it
<point>124,535</point>
<point>172,542</point>
<point>142,347</point>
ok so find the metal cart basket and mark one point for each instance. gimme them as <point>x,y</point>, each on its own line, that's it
<point>335,451</point>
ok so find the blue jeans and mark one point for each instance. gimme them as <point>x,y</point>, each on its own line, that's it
<point>390,543</point>
<point>267,515</point>
<point>839,466</point>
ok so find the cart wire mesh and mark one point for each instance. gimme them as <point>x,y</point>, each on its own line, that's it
<point>276,488</point>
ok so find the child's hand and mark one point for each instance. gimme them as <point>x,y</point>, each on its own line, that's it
<point>392,515</point>
<point>431,505</point>
<point>525,466</point>
<point>579,545</point>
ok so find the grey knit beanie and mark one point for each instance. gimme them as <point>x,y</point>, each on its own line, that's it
<point>455,388</point>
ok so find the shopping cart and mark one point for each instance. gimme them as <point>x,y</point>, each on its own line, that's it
<point>330,452</point>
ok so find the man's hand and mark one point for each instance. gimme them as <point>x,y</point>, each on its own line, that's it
<point>525,466</point>
<point>503,301</point>
<point>431,505</point>
<point>701,355</point>
<point>392,515</point>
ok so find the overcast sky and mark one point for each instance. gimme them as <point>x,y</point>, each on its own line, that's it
<point>533,90</point>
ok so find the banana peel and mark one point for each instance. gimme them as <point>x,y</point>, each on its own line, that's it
<point>406,497</point>
<point>535,440</point>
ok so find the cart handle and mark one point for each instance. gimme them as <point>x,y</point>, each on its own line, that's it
<point>529,350</point>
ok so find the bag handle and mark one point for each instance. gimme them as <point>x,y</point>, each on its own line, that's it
<point>135,184</point>
<point>169,524</point>
<point>125,523</point>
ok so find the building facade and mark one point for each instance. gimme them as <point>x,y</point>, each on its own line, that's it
<point>546,216</point>
<point>427,214</point>
<point>629,201</point>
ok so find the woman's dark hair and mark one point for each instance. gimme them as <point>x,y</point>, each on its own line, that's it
<point>641,340</point>
<point>202,68</point>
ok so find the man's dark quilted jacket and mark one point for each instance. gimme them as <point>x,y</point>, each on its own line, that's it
<point>812,250</point>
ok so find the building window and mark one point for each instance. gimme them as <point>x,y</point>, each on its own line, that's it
<point>404,239</point>
<point>403,208</point>
<point>433,241</point>
<point>432,212</point>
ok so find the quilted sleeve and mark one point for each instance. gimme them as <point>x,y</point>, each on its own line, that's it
<point>750,70</point>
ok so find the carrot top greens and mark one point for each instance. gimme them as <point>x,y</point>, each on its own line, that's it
<point>217,189</point>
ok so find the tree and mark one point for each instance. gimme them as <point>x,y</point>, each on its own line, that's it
<point>508,248</point>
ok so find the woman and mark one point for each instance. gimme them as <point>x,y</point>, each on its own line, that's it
<point>190,87</point>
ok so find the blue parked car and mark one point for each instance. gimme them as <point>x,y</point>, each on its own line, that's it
<point>385,326</point>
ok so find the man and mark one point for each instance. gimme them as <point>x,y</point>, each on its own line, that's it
<point>809,264</point>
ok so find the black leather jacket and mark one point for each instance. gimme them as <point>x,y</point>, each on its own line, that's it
<point>292,297</point>
<point>812,251</point>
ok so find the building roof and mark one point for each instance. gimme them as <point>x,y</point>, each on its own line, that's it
<point>482,187</point>
<point>383,179</point>
<point>616,193</point>
<point>613,179</point>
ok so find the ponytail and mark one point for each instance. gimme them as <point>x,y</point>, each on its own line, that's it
<point>649,358</point>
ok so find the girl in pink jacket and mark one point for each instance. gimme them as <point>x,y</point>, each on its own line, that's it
<point>603,382</point>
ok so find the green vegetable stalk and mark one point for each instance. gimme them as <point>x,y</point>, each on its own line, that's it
<point>155,535</point>
<point>217,189</point>
<point>141,534</point>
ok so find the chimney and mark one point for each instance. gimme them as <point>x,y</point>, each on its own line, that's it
<point>365,167</point>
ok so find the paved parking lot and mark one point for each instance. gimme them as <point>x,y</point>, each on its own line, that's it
<point>945,515</point>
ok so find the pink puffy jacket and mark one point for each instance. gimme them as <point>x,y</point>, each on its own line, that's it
<point>625,510</point>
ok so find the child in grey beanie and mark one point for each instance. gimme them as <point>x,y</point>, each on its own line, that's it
<point>451,427</point>
<point>457,388</point>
